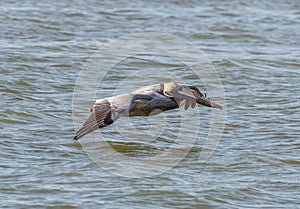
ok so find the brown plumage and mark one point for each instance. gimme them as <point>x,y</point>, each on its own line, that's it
<point>145,101</point>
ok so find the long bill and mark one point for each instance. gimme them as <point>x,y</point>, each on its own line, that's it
<point>206,102</point>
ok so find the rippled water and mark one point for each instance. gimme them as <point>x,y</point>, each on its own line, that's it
<point>254,48</point>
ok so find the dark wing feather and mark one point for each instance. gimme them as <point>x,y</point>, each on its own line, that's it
<point>100,117</point>
<point>183,93</point>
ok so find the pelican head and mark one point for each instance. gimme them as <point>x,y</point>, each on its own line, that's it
<point>189,95</point>
<point>168,87</point>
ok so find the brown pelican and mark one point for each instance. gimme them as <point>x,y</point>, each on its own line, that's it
<point>145,101</point>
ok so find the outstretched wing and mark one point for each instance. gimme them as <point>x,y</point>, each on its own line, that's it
<point>101,116</point>
<point>181,93</point>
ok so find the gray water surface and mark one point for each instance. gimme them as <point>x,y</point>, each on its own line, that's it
<point>254,46</point>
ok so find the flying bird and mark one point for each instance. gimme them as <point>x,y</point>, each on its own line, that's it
<point>145,101</point>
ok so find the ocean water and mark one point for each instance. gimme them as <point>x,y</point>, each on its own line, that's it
<point>254,48</point>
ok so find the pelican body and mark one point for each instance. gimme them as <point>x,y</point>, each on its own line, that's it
<point>145,101</point>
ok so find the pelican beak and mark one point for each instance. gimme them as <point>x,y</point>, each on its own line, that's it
<point>206,102</point>
<point>202,99</point>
